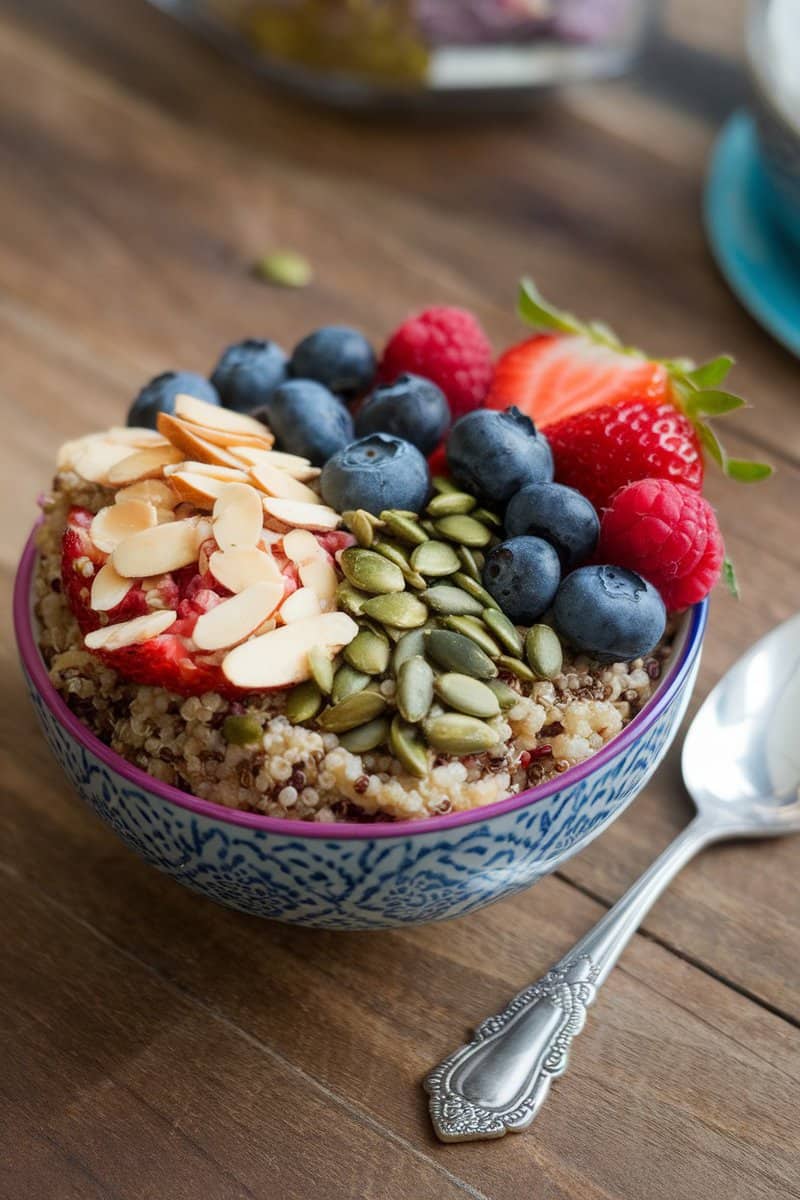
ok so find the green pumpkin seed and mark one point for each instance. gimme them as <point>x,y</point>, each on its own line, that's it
<point>400,609</point>
<point>515,666</point>
<point>469,561</point>
<point>362,525</point>
<point>366,737</point>
<point>504,630</point>
<point>434,559</point>
<point>442,484</point>
<point>455,652</point>
<point>347,681</point>
<point>475,589</point>
<point>464,530</point>
<point>543,651</point>
<point>404,525</point>
<point>370,571</point>
<point>414,689</point>
<point>449,503</point>
<point>350,599</point>
<point>506,695</point>
<point>454,733</point>
<point>486,517</point>
<point>355,710</point>
<point>368,652</point>
<point>303,702</point>
<point>474,629</point>
<point>410,644</point>
<point>407,745</point>
<point>400,559</point>
<point>242,730</point>
<point>320,664</point>
<point>429,527</point>
<point>451,601</point>
<point>467,695</point>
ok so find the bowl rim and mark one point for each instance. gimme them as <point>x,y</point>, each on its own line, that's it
<point>34,665</point>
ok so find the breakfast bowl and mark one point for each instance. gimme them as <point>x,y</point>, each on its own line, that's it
<point>354,875</point>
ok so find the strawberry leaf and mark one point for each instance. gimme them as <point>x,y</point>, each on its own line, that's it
<point>710,402</point>
<point>729,576</point>
<point>710,374</point>
<point>712,445</point>
<point>533,309</point>
<point>745,471</point>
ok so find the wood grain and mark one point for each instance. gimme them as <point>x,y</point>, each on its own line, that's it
<point>155,1045</point>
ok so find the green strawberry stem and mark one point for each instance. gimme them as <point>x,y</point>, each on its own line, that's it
<point>696,388</point>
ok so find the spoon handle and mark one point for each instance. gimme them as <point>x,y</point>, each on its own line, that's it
<point>498,1081</point>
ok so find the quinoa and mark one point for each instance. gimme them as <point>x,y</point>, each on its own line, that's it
<point>302,773</point>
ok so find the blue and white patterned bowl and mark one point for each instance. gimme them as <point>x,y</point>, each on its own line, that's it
<point>351,876</point>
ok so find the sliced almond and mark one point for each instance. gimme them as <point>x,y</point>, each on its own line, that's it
<point>319,574</point>
<point>199,412</point>
<point>109,588</point>
<point>280,658</point>
<point>238,517</point>
<point>301,546</point>
<point>158,550</point>
<point>118,521</point>
<point>131,633</point>
<point>95,458</point>
<point>153,490</point>
<point>228,474</point>
<point>137,436</point>
<point>233,440</point>
<point>292,464</point>
<point>281,484</point>
<point>202,491</point>
<point>144,464</point>
<point>235,619</point>
<point>240,569</point>
<point>301,604</point>
<point>193,446</point>
<point>293,514</point>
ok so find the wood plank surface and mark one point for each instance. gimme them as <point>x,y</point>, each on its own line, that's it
<point>156,1045</point>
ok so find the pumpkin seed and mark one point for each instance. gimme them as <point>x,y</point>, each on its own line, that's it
<point>366,737</point>
<point>353,711</point>
<point>506,695</point>
<point>451,601</point>
<point>455,652</point>
<point>350,599</point>
<point>414,688</point>
<point>515,666</point>
<point>475,589</point>
<point>368,652</point>
<point>404,525</point>
<point>242,730</point>
<point>451,502</point>
<point>463,529</point>
<point>303,702</point>
<point>474,629</point>
<point>543,651</point>
<point>454,733</point>
<point>441,484</point>
<point>407,745</point>
<point>400,609</point>
<point>469,561</point>
<point>467,695</point>
<point>434,559</point>
<point>370,571</point>
<point>400,559</point>
<point>429,527</point>
<point>347,681</point>
<point>410,644</point>
<point>504,630</point>
<point>486,517</point>
<point>362,525</point>
<point>320,664</point>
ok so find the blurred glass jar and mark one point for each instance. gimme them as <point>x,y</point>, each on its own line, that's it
<point>401,54</point>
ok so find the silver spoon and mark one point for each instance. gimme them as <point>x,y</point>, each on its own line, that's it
<point>741,766</point>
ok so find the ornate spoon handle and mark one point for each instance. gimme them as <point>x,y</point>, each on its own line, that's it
<point>498,1081</point>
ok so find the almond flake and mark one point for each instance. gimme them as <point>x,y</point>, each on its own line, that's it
<point>94,458</point>
<point>163,515</point>
<point>320,575</point>
<point>136,436</point>
<point>301,604</point>
<point>235,619</point>
<point>282,485</point>
<point>199,412</point>
<point>158,550</point>
<point>202,491</point>
<point>301,546</point>
<point>293,514</point>
<point>154,490</point>
<point>131,633</point>
<point>228,474</point>
<point>240,569</point>
<point>238,517</point>
<point>144,464</point>
<point>257,442</point>
<point>292,464</point>
<point>280,658</point>
<point>193,446</point>
<point>109,588</point>
<point>118,521</point>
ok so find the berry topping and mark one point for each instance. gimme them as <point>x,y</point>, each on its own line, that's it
<point>610,613</point>
<point>560,515</point>
<point>412,408</point>
<point>494,454</point>
<point>375,473</point>
<point>158,396</point>
<point>308,420</point>
<point>340,358</point>
<point>522,574</point>
<point>669,534</point>
<point>448,346</point>
<point>248,373</point>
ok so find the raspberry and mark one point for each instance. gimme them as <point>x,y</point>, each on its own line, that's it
<point>668,533</point>
<point>448,346</point>
<point>600,450</point>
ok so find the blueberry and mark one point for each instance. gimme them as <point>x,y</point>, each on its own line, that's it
<point>560,515</point>
<point>248,373</point>
<point>610,613</point>
<point>307,419</point>
<point>159,396</point>
<point>376,472</point>
<point>522,574</point>
<point>412,408</point>
<point>339,357</point>
<point>494,454</point>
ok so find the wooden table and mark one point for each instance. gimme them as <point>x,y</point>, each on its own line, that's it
<point>156,1046</point>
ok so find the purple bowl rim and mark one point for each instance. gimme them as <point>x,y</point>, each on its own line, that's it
<point>33,664</point>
